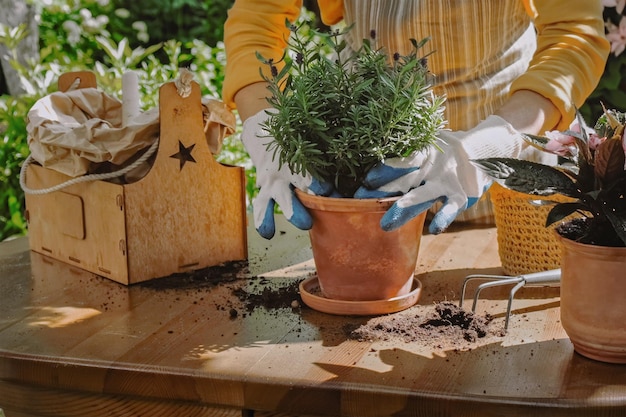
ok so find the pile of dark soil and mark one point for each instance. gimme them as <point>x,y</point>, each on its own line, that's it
<point>446,325</point>
<point>590,231</point>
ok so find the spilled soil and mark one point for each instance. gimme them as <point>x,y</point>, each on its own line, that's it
<point>441,325</point>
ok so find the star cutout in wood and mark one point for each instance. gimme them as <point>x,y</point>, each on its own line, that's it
<point>184,154</point>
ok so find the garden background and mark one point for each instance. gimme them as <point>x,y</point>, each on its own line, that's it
<point>154,38</point>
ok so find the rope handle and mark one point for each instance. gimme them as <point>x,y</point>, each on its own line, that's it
<point>84,178</point>
<point>183,87</point>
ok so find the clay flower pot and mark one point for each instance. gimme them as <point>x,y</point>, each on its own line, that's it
<point>593,290</point>
<point>355,259</point>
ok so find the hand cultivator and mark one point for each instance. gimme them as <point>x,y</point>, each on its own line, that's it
<point>519,281</point>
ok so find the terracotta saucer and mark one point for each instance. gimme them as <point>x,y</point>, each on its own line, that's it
<point>311,295</point>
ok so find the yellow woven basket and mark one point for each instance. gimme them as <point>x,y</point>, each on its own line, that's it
<point>525,244</point>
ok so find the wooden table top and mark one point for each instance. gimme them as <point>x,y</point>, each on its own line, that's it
<point>75,344</point>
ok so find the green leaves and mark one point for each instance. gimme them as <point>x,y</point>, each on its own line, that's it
<point>13,151</point>
<point>12,36</point>
<point>609,160</point>
<point>562,210</point>
<point>595,178</point>
<point>122,55</point>
<point>339,112</point>
<point>528,177</point>
<point>108,54</point>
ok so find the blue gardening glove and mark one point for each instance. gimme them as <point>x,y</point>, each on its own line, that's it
<point>276,184</point>
<point>447,175</point>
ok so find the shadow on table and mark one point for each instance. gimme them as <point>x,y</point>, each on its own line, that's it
<point>540,378</point>
<point>439,286</point>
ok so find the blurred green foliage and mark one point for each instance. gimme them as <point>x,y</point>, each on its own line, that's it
<point>611,90</point>
<point>184,20</point>
<point>86,34</point>
<point>13,151</point>
<point>154,38</point>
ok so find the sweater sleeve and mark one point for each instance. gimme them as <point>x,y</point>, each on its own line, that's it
<point>254,26</point>
<point>331,11</point>
<point>571,53</point>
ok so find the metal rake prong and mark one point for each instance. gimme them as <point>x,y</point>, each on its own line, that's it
<point>517,286</point>
<point>495,283</point>
<point>544,277</point>
<point>497,278</point>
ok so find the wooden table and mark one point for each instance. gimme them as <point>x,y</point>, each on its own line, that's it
<point>74,344</point>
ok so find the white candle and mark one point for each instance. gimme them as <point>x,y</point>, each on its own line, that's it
<point>130,96</point>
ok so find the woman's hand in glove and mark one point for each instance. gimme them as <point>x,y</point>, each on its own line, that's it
<point>276,184</point>
<point>445,175</point>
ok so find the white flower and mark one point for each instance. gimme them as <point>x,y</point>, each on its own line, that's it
<point>142,31</point>
<point>91,24</point>
<point>85,14</point>
<point>618,4</point>
<point>73,32</point>
<point>122,13</point>
<point>617,36</point>
<point>143,37</point>
<point>140,26</point>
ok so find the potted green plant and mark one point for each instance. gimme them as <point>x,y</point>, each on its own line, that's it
<point>338,112</point>
<point>593,260</point>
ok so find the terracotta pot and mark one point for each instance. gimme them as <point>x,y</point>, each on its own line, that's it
<point>593,290</point>
<point>355,259</point>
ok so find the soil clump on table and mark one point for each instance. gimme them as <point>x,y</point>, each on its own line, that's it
<point>445,324</point>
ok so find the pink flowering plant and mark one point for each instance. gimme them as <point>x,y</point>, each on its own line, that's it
<point>592,174</point>
<point>616,26</point>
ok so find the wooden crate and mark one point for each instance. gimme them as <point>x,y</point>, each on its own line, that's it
<point>179,217</point>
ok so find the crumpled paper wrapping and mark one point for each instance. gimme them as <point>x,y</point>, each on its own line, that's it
<point>67,131</point>
<point>73,131</point>
<point>219,122</point>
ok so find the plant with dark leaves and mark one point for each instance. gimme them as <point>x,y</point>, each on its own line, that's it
<point>593,175</point>
<point>339,112</point>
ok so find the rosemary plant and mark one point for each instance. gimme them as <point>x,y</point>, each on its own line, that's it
<point>338,112</point>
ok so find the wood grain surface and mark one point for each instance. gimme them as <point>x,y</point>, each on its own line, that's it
<point>75,344</point>
<point>186,212</point>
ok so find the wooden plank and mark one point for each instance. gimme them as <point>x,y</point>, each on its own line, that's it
<point>77,79</point>
<point>185,214</point>
<point>69,214</point>
<point>182,345</point>
<point>100,248</point>
<point>52,402</point>
<point>84,224</point>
